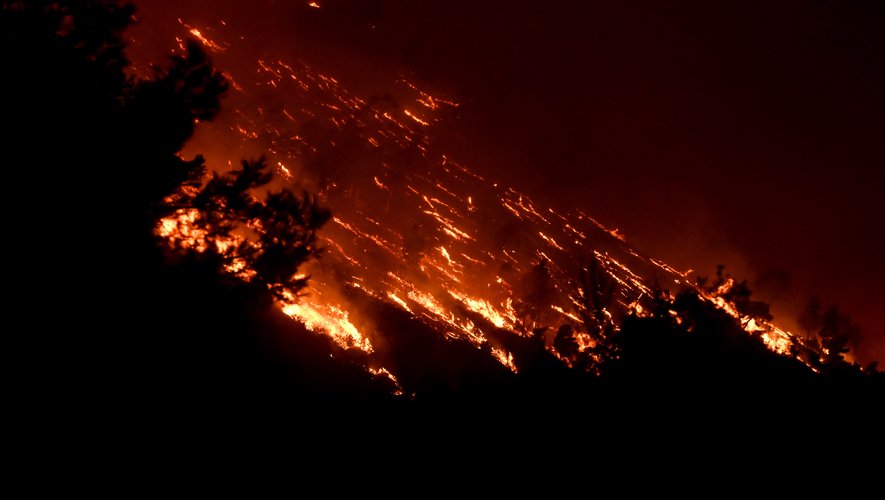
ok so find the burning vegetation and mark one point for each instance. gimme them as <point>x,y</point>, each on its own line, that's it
<point>404,259</point>
<point>476,261</point>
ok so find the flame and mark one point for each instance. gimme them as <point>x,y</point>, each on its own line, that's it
<point>418,120</point>
<point>329,319</point>
<point>214,47</point>
<point>422,235</point>
<point>505,358</point>
<point>568,315</point>
<point>445,254</point>
<point>482,307</point>
<point>776,339</point>
<point>399,301</point>
<point>384,372</point>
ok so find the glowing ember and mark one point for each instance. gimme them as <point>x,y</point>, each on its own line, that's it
<point>384,372</point>
<point>208,43</point>
<point>419,231</point>
<point>412,116</point>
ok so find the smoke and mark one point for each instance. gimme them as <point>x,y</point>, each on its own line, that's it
<point>702,144</point>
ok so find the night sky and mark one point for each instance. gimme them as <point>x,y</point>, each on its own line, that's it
<point>707,132</point>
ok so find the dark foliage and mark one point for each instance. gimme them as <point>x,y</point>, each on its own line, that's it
<point>597,294</point>
<point>119,320</point>
<point>536,292</point>
<point>279,232</point>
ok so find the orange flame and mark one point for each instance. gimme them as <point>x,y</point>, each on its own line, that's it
<point>455,272</point>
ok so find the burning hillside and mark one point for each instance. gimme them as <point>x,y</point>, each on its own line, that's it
<point>471,258</point>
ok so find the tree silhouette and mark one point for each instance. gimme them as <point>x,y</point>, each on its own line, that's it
<point>810,319</point>
<point>836,333</point>
<point>565,343</point>
<point>537,290</point>
<point>125,319</point>
<point>597,298</point>
<point>739,294</point>
<point>162,114</point>
<point>829,331</point>
<point>278,233</point>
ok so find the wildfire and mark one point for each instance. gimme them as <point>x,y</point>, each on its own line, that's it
<point>505,358</point>
<point>208,43</point>
<point>331,320</point>
<point>418,120</point>
<point>487,310</point>
<point>384,372</point>
<point>431,236</point>
<point>566,313</point>
<point>775,338</point>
